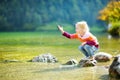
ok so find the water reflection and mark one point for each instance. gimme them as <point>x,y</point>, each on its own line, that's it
<point>85,73</point>
<point>111,46</point>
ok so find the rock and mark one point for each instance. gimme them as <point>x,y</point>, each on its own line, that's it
<point>45,58</point>
<point>102,57</point>
<point>114,70</point>
<point>87,63</point>
<point>72,62</point>
<point>69,64</point>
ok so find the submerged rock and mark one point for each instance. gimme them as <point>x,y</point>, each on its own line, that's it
<point>71,62</point>
<point>11,61</point>
<point>114,70</point>
<point>102,57</point>
<point>45,58</point>
<point>87,63</point>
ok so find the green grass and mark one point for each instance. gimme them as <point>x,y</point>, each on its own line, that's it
<point>23,46</point>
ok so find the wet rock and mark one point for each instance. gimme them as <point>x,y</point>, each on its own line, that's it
<point>45,58</point>
<point>71,62</point>
<point>102,57</point>
<point>114,70</point>
<point>87,63</point>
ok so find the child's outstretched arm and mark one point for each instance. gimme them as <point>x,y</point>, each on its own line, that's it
<point>61,29</point>
<point>66,34</point>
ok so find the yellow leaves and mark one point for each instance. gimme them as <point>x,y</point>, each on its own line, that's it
<point>104,15</point>
<point>111,13</point>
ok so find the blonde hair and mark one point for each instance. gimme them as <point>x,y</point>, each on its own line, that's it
<point>83,25</point>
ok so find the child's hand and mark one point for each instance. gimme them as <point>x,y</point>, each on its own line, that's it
<point>61,29</point>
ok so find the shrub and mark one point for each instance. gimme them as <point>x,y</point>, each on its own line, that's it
<point>114,30</point>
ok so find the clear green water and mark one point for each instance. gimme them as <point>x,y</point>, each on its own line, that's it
<point>23,46</point>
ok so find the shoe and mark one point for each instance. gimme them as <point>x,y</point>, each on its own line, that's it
<point>91,58</point>
<point>85,58</point>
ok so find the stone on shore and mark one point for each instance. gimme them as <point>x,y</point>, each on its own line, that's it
<point>102,57</point>
<point>114,70</point>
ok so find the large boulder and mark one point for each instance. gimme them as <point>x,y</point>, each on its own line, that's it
<point>45,58</point>
<point>114,70</point>
<point>102,57</point>
<point>87,63</point>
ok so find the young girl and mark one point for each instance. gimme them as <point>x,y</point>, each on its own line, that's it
<point>89,42</point>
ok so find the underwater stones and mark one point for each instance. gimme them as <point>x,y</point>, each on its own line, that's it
<point>102,57</point>
<point>45,58</point>
<point>72,63</point>
<point>11,60</point>
<point>114,70</point>
<point>87,63</point>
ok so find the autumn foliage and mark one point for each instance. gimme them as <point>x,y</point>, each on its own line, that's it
<point>111,15</point>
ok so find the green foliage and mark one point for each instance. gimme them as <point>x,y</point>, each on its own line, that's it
<point>47,27</point>
<point>28,27</point>
<point>30,15</point>
<point>114,30</point>
<point>97,29</point>
<point>53,27</point>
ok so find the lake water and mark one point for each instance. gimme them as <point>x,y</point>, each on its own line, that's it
<point>26,46</point>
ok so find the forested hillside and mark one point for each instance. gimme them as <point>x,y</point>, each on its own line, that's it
<point>29,15</point>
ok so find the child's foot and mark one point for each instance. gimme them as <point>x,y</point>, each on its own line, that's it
<point>91,58</point>
<point>85,58</point>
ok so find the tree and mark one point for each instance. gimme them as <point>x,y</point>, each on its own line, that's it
<point>29,15</point>
<point>111,15</point>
